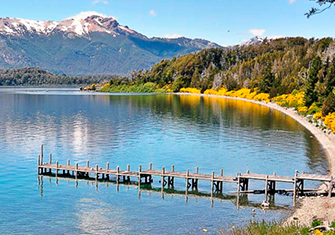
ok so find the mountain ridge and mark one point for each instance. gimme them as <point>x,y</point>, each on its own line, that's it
<point>89,44</point>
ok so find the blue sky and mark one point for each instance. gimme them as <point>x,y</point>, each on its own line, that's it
<point>221,21</point>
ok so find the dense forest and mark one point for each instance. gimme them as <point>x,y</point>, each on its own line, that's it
<point>275,67</point>
<point>34,76</point>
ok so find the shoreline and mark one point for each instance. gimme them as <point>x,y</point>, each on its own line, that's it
<point>310,208</point>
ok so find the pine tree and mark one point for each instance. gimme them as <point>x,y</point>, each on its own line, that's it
<point>310,93</point>
<point>267,80</point>
<point>330,79</point>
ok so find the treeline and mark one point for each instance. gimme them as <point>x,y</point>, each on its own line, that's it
<point>34,76</point>
<point>274,66</point>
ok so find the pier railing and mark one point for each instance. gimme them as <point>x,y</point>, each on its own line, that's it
<point>167,177</point>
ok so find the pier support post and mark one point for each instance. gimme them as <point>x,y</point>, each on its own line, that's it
<point>57,166</point>
<point>330,187</point>
<point>295,186</point>
<point>212,182</point>
<point>139,175</point>
<point>266,188</point>
<point>163,178</point>
<point>107,169</point>
<point>76,168</point>
<point>117,174</point>
<point>68,164</point>
<point>96,172</point>
<point>186,181</point>
<point>42,153</point>
<point>38,164</point>
<point>50,161</point>
<point>238,183</point>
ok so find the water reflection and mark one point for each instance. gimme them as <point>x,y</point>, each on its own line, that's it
<point>185,131</point>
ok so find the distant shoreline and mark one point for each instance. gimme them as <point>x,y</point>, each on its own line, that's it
<point>326,140</point>
<point>321,208</point>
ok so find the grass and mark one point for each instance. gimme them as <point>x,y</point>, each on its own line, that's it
<point>148,87</point>
<point>270,228</point>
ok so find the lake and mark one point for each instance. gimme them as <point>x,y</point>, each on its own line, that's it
<point>185,131</point>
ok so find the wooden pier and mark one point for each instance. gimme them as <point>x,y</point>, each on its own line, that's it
<point>167,177</point>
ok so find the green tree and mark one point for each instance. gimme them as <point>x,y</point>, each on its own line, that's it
<point>310,93</point>
<point>329,104</point>
<point>267,80</point>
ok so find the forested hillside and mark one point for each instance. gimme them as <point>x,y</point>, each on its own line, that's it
<point>36,76</point>
<point>274,66</point>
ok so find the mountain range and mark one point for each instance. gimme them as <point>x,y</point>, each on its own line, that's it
<point>89,43</point>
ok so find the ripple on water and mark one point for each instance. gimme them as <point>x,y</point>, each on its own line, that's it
<point>185,131</point>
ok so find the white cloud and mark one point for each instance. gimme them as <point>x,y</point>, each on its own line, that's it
<point>100,1</point>
<point>175,35</point>
<point>291,1</point>
<point>152,13</point>
<point>257,32</point>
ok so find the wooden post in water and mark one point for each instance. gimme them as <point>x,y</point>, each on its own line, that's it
<point>187,174</point>
<point>330,187</point>
<point>76,168</point>
<point>212,182</point>
<point>172,168</point>
<point>139,175</point>
<point>96,172</point>
<point>150,166</point>
<point>38,164</point>
<point>50,161</point>
<point>107,169</point>
<point>42,153</point>
<point>197,170</point>
<point>88,164</point>
<point>238,183</point>
<point>68,163</point>
<point>57,165</point>
<point>163,178</point>
<point>117,174</point>
<point>295,186</point>
<point>266,188</point>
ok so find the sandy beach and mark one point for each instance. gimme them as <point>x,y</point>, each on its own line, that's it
<point>310,208</point>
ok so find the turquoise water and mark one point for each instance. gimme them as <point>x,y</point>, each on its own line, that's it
<point>187,131</point>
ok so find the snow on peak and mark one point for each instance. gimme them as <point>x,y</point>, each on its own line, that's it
<point>84,14</point>
<point>81,24</point>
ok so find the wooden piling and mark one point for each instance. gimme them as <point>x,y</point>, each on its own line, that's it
<point>197,170</point>
<point>96,172</point>
<point>76,168</point>
<point>295,185</point>
<point>330,187</point>
<point>266,188</point>
<point>42,152</point>
<point>139,175</point>
<point>57,166</point>
<point>117,174</point>
<point>38,164</point>
<point>172,168</point>
<point>212,181</point>
<point>238,183</point>
<point>88,164</point>
<point>150,166</point>
<point>163,178</point>
<point>186,180</point>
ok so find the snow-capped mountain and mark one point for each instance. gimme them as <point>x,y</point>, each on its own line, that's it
<point>88,43</point>
<point>252,41</point>
<point>81,25</point>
